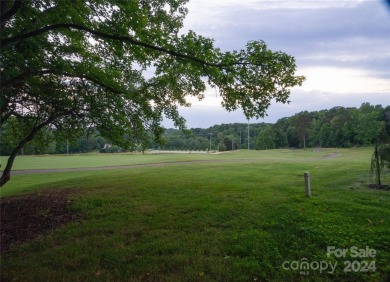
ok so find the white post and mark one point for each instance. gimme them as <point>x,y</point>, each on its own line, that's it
<point>307,184</point>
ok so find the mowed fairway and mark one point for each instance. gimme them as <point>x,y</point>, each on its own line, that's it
<point>240,216</point>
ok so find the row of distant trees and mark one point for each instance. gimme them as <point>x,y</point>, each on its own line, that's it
<point>337,127</point>
<point>47,142</point>
<point>224,137</point>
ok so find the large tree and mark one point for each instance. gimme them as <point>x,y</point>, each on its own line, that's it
<point>121,66</point>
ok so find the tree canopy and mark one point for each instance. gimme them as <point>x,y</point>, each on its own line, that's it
<point>122,66</point>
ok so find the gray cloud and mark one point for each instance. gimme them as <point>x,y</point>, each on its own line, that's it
<point>336,34</point>
<point>306,31</point>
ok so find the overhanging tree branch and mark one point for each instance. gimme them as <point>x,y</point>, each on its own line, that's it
<point>44,72</point>
<point>5,16</point>
<point>24,75</point>
<point>8,41</point>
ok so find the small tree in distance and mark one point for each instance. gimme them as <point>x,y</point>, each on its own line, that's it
<point>266,139</point>
<point>380,160</point>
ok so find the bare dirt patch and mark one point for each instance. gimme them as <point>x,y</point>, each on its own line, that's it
<point>331,156</point>
<point>379,187</point>
<point>26,217</point>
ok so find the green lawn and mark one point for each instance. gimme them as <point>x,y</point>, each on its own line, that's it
<point>96,160</point>
<point>242,217</point>
<point>100,160</point>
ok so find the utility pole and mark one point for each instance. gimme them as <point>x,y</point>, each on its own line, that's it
<point>240,139</point>
<point>211,135</point>
<point>248,136</point>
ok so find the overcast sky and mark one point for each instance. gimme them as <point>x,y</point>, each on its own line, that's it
<point>341,46</point>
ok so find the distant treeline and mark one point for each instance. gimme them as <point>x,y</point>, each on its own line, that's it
<point>337,127</point>
<point>224,137</point>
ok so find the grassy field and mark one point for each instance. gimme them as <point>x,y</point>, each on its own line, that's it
<point>101,160</point>
<point>96,160</point>
<point>239,216</point>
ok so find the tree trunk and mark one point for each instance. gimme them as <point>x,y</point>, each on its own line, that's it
<point>377,166</point>
<point>6,176</point>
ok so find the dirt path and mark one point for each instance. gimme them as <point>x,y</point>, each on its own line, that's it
<point>51,170</point>
<point>331,156</point>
